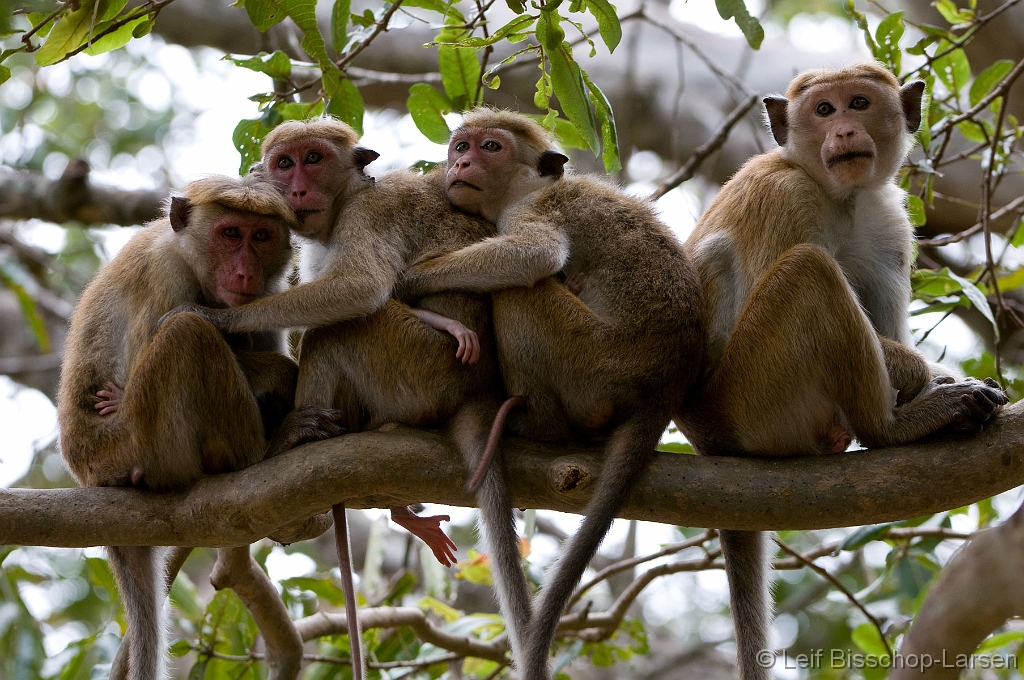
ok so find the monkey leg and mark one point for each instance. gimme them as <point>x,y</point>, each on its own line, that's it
<point>390,367</point>
<point>909,373</point>
<point>187,406</point>
<point>629,448</point>
<point>271,377</point>
<point>552,350</point>
<point>470,429</point>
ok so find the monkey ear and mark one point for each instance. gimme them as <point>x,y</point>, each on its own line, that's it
<point>551,163</point>
<point>180,209</point>
<point>362,156</point>
<point>910,96</point>
<point>775,107</point>
<point>257,169</point>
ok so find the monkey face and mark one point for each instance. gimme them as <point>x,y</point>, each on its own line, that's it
<point>849,134</point>
<point>311,174</point>
<point>481,165</point>
<point>244,251</point>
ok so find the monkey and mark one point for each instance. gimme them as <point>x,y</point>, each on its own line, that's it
<point>193,402</point>
<point>611,358</point>
<point>805,259</point>
<point>373,356</point>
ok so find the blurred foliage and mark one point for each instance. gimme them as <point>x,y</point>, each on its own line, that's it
<point>59,611</point>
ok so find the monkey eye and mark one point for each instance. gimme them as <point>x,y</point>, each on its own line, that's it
<point>824,109</point>
<point>491,145</point>
<point>284,162</point>
<point>461,147</point>
<point>231,232</point>
<point>314,157</point>
<point>859,103</point>
<point>261,235</point>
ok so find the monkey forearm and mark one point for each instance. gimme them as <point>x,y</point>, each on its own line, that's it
<point>494,264</point>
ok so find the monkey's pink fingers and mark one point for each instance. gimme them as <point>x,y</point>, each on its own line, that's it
<point>472,349</point>
<point>492,440</point>
<point>576,282</point>
<point>428,530</point>
<point>110,399</point>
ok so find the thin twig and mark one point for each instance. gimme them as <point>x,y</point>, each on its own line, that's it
<point>379,28</point>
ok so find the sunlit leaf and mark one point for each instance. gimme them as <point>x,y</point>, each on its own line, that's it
<point>432,604</point>
<point>607,22</point>
<point>737,10</point>
<point>978,301</point>
<point>117,39</point>
<point>264,14</point>
<point>74,29</point>
<point>276,65</point>
<point>29,309</point>
<point>460,75</point>
<point>887,37</point>
<point>344,99</point>
<point>676,447</point>
<point>953,68</point>
<point>915,211</point>
<point>426,106</point>
<point>567,78</point>
<point>865,535</point>
<point>609,135</point>
<point>951,13</point>
<point>988,79</point>
<point>867,637</point>
<point>5,74</point>
<point>339,23</point>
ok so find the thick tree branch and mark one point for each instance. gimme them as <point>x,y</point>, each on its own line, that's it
<point>27,195</point>
<point>400,466</point>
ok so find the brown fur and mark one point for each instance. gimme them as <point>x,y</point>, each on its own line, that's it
<point>806,267</point>
<point>615,360</point>
<point>193,404</point>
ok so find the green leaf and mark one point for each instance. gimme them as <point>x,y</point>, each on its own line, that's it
<point>978,301</point>
<point>609,135</point>
<point>339,24</point>
<point>915,211</point>
<point>607,22</point>
<point>865,535</point>
<point>953,69</point>
<point>973,131</point>
<point>888,35</point>
<point>277,65</point>
<point>951,13</point>
<point>74,29</point>
<point>180,647</point>
<point>427,107</point>
<point>737,10</point>
<point>460,75</point>
<point>999,640</point>
<point>264,14</point>
<point>862,22</point>
<point>676,447</point>
<point>567,78</point>
<point>117,39</point>
<point>5,74</point>
<point>514,29</point>
<point>446,612</point>
<point>450,12</point>
<point>247,137</point>
<point>988,79</point>
<point>866,637</point>
<point>28,307</point>
<point>344,100</point>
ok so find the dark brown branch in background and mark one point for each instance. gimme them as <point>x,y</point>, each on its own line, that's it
<point>28,195</point>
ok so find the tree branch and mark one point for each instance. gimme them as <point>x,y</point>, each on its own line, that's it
<point>398,466</point>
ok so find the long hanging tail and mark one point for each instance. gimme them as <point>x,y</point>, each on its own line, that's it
<point>746,565</point>
<point>469,430</point>
<point>493,440</point>
<point>139,573</point>
<point>355,637</point>
<point>629,449</point>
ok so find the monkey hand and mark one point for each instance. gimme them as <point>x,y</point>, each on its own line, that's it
<point>576,282</point>
<point>303,425</point>
<point>204,312</point>
<point>428,530</point>
<point>979,405</point>
<point>469,343</point>
<point>110,399</point>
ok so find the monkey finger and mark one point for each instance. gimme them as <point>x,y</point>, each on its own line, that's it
<point>943,380</point>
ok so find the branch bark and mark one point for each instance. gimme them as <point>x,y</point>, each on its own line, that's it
<point>398,466</point>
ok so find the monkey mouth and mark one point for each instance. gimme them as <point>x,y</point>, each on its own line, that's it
<point>462,184</point>
<point>303,214</point>
<point>848,156</point>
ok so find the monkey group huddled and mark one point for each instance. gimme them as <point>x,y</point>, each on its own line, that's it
<point>501,291</point>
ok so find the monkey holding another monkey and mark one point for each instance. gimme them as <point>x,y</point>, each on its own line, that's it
<point>612,358</point>
<point>193,402</point>
<point>805,259</point>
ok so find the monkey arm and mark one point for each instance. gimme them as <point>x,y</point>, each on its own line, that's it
<point>469,343</point>
<point>519,258</point>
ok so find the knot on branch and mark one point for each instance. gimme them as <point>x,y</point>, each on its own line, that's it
<point>569,475</point>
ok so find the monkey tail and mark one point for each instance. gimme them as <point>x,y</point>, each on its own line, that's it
<point>139,574</point>
<point>493,439</point>
<point>355,637</point>
<point>629,449</point>
<point>746,566</point>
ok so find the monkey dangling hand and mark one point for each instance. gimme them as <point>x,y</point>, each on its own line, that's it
<point>428,530</point>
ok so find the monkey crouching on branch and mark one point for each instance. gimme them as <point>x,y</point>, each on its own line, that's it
<point>805,259</point>
<point>160,407</point>
<point>614,360</point>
